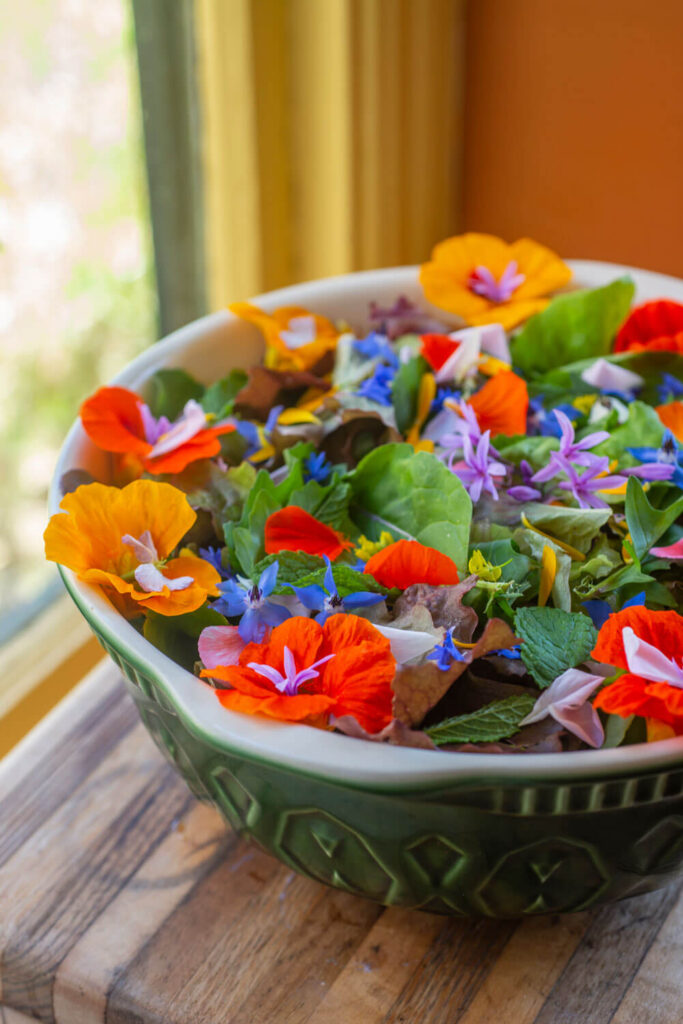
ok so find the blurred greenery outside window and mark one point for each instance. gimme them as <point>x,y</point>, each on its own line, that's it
<point>77,279</point>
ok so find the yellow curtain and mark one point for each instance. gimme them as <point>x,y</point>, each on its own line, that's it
<point>331,133</point>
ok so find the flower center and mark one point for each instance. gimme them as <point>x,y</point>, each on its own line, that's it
<point>288,683</point>
<point>482,282</point>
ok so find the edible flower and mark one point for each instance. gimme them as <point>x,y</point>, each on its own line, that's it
<point>376,345</point>
<point>670,389</point>
<point>326,599</point>
<point>367,548</point>
<point>566,700</point>
<point>477,471</point>
<point>655,326</point>
<point>378,385</point>
<point>501,405</point>
<point>674,552</point>
<point>483,280</point>
<point>250,601</point>
<point>583,486</point>
<point>220,645</point>
<point>570,449</point>
<point>294,529</point>
<point>670,453</point>
<point>117,420</point>
<point>649,646</point>
<point>671,416</point>
<point>403,317</point>
<point>407,561</point>
<point>485,570</point>
<point>307,672</point>
<point>296,339</point>
<point>612,378</point>
<point>121,539</point>
<point>444,654</point>
<point>317,467</point>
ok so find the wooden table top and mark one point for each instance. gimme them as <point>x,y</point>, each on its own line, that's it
<point>123,899</point>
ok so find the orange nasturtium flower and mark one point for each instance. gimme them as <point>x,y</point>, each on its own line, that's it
<point>649,646</point>
<point>296,339</point>
<point>307,672</point>
<point>655,326</point>
<point>407,561</point>
<point>294,529</point>
<point>483,280</point>
<point>501,405</point>
<point>117,420</point>
<point>121,539</point>
<point>671,416</point>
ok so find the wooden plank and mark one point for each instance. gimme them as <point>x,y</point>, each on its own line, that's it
<point>116,936</point>
<point>524,974</point>
<point>593,983</point>
<point>57,884</point>
<point>656,993</point>
<point>280,940</point>
<point>378,971</point>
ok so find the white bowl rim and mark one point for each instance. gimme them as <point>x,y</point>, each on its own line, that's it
<point>316,752</point>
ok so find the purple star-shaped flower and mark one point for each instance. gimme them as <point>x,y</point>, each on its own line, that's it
<point>477,470</point>
<point>570,450</point>
<point>482,282</point>
<point>289,682</point>
<point>584,486</point>
<point>566,700</point>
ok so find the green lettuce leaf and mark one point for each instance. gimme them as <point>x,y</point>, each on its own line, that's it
<point>170,390</point>
<point>404,391</point>
<point>645,523</point>
<point>219,398</point>
<point>294,567</point>
<point>413,496</point>
<point>643,428</point>
<point>575,326</point>
<point>566,383</point>
<point>347,580</point>
<point>577,527</point>
<point>554,640</point>
<point>495,721</point>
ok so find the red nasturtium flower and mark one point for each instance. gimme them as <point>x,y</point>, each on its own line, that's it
<point>501,405</point>
<point>307,672</point>
<point>117,420</point>
<point>121,538</point>
<point>294,529</point>
<point>671,416</point>
<point>437,349</point>
<point>655,326</point>
<point>649,646</point>
<point>407,561</point>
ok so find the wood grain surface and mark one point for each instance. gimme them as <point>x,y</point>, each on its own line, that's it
<point>123,900</point>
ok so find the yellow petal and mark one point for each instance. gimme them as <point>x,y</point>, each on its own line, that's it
<point>548,573</point>
<point>572,552</point>
<point>657,730</point>
<point>290,417</point>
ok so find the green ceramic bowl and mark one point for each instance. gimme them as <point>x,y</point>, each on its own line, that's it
<point>466,834</point>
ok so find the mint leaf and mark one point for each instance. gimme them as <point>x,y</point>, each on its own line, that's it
<point>347,580</point>
<point>294,566</point>
<point>496,721</point>
<point>218,399</point>
<point>579,325</point>
<point>645,523</point>
<point>404,391</point>
<point>554,640</point>
<point>171,390</point>
<point>413,496</point>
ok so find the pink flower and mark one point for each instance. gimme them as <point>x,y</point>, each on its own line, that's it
<point>566,700</point>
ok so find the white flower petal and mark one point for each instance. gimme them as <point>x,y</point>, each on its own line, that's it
<point>646,661</point>
<point>407,644</point>
<point>608,376</point>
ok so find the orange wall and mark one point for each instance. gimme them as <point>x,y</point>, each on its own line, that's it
<point>574,126</point>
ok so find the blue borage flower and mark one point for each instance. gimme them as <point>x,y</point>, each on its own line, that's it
<point>669,453</point>
<point>540,421</point>
<point>670,389</point>
<point>378,386</point>
<point>444,654</point>
<point>317,467</point>
<point>376,346</point>
<point>214,557</point>
<point>326,600</point>
<point>250,601</point>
